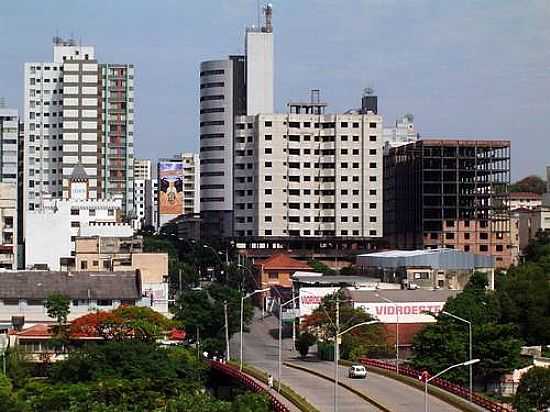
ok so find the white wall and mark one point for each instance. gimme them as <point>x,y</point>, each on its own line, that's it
<point>259,72</point>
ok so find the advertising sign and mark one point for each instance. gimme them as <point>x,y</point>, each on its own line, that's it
<point>170,188</point>
<point>310,298</point>
<point>408,312</point>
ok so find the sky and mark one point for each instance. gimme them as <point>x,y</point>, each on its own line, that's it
<point>465,69</point>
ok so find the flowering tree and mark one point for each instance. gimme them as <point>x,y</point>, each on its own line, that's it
<point>125,322</point>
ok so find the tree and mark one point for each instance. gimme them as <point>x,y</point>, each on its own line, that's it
<point>319,266</point>
<point>122,323</point>
<point>533,392</point>
<point>529,184</point>
<point>58,307</point>
<point>321,323</point>
<point>203,310</point>
<point>304,341</point>
<point>251,402</point>
<point>446,342</point>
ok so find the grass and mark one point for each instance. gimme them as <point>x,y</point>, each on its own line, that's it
<point>299,401</point>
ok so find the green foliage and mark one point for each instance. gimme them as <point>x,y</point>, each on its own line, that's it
<point>203,309</point>
<point>318,266</point>
<point>525,301</point>
<point>446,342</point>
<point>197,403</point>
<point>251,402</point>
<point>58,306</point>
<point>304,342</point>
<point>17,367</point>
<point>533,392</point>
<point>127,360</point>
<point>321,322</point>
<point>529,184</point>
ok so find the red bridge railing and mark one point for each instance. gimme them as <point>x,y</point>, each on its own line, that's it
<point>453,388</point>
<point>250,383</point>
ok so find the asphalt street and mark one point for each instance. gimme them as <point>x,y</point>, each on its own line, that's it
<point>261,350</point>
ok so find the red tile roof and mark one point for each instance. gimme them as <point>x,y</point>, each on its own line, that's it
<point>37,331</point>
<point>525,195</point>
<point>283,261</point>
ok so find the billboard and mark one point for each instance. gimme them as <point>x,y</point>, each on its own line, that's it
<point>170,188</point>
<point>408,312</point>
<point>310,298</point>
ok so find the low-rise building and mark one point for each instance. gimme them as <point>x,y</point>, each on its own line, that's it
<point>525,200</point>
<point>23,294</point>
<point>277,270</point>
<point>428,269</point>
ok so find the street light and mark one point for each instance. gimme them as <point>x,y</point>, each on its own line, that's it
<point>256,283</point>
<point>280,363</point>
<point>242,321</point>
<point>337,355</point>
<point>444,312</point>
<point>426,381</point>
<point>396,330</point>
<point>470,343</point>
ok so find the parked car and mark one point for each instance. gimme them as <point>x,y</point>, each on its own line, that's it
<point>357,371</point>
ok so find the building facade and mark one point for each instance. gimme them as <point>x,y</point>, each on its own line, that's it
<point>403,132</point>
<point>449,193</point>
<point>306,173</point>
<point>77,112</point>
<point>8,226</point>
<point>238,85</point>
<point>142,169</point>
<point>9,136</point>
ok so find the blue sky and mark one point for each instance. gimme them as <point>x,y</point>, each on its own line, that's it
<point>463,68</point>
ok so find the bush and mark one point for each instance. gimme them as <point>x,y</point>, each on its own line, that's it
<point>533,391</point>
<point>304,342</point>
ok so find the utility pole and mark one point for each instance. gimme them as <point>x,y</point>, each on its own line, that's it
<point>227,356</point>
<point>336,353</point>
<point>198,344</point>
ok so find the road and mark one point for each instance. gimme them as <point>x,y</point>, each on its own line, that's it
<point>261,351</point>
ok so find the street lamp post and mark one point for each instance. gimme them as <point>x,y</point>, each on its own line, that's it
<point>470,345</point>
<point>280,363</point>
<point>385,299</point>
<point>242,319</point>
<point>216,253</point>
<point>427,381</point>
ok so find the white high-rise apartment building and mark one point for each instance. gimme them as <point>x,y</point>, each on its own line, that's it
<point>238,85</point>
<point>191,183</point>
<point>142,169</point>
<point>78,112</point>
<point>306,173</point>
<point>9,135</point>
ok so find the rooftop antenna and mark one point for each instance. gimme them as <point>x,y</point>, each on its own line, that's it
<point>258,12</point>
<point>268,12</point>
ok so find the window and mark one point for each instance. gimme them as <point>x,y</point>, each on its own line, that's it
<point>372,232</point>
<point>372,192</point>
<point>104,302</point>
<point>268,218</point>
<point>372,151</point>
<point>355,205</point>
<point>268,164</point>
<point>484,236</point>
<point>268,205</point>
<point>344,138</point>
<point>75,212</point>
<point>268,232</point>
<point>111,212</point>
<point>483,248</point>
<point>268,191</point>
<point>268,124</point>
<point>499,248</point>
<point>466,248</point>
<point>372,165</point>
<point>75,224</point>
<point>466,236</point>
<point>355,125</point>
<point>372,219</point>
<point>344,151</point>
<point>372,205</point>
<point>372,138</point>
<point>355,165</point>
<point>449,235</point>
<point>372,125</point>
<point>343,219</point>
<point>268,178</point>
<point>355,138</point>
<point>268,137</point>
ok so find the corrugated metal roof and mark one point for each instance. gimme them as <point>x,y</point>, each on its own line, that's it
<point>75,285</point>
<point>434,258</point>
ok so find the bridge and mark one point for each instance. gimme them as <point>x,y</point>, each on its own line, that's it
<point>313,379</point>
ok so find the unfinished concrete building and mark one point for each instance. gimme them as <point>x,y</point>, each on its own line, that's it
<point>449,193</point>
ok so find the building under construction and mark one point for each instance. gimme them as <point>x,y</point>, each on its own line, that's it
<point>449,193</point>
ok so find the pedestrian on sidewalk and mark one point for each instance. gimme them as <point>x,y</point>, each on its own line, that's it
<point>270,382</point>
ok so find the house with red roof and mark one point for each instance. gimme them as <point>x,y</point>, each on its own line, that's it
<point>277,270</point>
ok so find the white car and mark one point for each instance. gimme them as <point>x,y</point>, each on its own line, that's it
<point>357,371</point>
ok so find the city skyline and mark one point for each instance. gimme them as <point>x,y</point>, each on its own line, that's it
<point>438,62</point>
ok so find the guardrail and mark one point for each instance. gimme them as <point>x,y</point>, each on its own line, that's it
<point>453,388</point>
<point>250,383</point>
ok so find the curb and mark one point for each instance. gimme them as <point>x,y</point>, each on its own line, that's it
<point>343,385</point>
<point>449,398</point>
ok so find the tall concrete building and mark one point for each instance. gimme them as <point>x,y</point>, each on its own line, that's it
<point>78,112</point>
<point>238,85</point>
<point>449,193</point>
<point>307,173</point>
<point>142,169</point>
<point>9,136</point>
